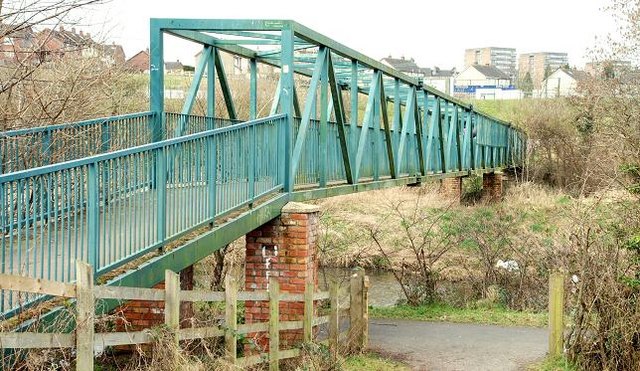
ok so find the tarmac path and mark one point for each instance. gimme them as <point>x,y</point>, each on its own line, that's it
<point>442,346</point>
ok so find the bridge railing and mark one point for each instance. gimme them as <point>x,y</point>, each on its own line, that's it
<point>40,146</point>
<point>111,208</point>
<point>178,124</point>
<point>451,143</point>
<point>28,148</point>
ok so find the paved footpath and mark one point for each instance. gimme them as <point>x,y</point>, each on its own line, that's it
<point>442,346</point>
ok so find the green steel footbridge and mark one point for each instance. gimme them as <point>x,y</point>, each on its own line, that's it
<point>136,194</point>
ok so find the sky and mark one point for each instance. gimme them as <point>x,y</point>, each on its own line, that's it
<point>434,33</point>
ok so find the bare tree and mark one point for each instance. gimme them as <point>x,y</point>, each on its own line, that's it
<point>46,81</point>
<point>413,242</point>
<point>18,18</point>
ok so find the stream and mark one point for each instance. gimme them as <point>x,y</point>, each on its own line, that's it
<point>384,290</point>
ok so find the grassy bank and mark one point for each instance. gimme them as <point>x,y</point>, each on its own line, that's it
<point>442,312</point>
<point>373,362</point>
<point>553,364</point>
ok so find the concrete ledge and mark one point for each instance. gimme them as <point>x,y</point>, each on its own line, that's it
<point>300,208</point>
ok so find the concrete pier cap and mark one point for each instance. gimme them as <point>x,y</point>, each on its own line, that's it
<point>300,208</point>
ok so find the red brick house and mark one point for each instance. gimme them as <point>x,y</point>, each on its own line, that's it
<point>139,62</point>
<point>62,42</point>
<point>21,44</point>
<point>112,54</point>
<point>17,44</point>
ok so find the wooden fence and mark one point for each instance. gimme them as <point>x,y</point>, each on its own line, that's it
<point>86,341</point>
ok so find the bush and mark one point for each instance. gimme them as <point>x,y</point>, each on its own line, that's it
<point>605,302</point>
<point>471,189</point>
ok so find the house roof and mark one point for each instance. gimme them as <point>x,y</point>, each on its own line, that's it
<point>437,72</point>
<point>72,38</point>
<point>22,36</point>
<point>491,72</point>
<point>18,31</point>
<point>577,75</point>
<point>173,65</point>
<point>142,53</point>
<point>112,49</point>
<point>402,64</point>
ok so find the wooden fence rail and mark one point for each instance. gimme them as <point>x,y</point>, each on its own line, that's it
<point>87,342</point>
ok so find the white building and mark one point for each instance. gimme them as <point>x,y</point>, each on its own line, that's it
<point>485,82</point>
<point>563,82</point>
<point>483,76</point>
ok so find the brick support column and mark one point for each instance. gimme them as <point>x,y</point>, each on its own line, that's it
<point>137,315</point>
<point>492,187</point>
<point>284,248</point>
<point>451,188</point>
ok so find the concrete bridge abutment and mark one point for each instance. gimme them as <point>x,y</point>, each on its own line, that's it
<point>286,248</point>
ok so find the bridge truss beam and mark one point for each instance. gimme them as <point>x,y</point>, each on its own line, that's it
<point>402,107</point>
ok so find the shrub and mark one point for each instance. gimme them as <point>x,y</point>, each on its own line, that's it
<point>605,302</point>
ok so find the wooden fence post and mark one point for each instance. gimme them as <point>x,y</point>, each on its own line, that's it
<point>308,313</point>
<point>365,311</point>
<point>231,318</point>
<point>172,302</point>
<point>356,311</point>
<point>334,318</point>
<point>556,313</point>
<point>85,307</point>
<point>274,324</point>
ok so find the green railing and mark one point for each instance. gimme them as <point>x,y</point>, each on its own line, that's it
<point>34,147</point>
<point>111,208</point>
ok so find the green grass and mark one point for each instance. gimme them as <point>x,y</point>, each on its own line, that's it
<point>372,362</point>
<point>553,364</point>
<point>442,312</point>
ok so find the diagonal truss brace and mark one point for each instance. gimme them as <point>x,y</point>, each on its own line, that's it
<point>308,106</point>
<point>338,106</point>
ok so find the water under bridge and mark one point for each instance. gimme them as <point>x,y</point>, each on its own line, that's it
<point>160,190</point>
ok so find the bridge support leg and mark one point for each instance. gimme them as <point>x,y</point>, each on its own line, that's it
<point>137,315</point>
<point>451,188</point>
<point>492,187</point>
<point>285,248</point>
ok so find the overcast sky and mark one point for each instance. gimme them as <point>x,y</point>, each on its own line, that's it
<point>432,32</point>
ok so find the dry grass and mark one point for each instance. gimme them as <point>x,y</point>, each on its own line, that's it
<point>532,226</point>
<point>346,221</point>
